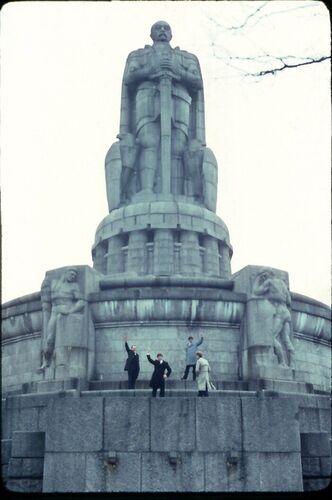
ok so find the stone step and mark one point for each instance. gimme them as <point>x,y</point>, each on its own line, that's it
<point>236,385</point>
<point>168,393</point>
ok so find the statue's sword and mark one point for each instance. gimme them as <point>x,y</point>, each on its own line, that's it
<point>165,129</point>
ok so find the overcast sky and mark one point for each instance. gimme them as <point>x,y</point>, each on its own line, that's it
<point>61,72</point>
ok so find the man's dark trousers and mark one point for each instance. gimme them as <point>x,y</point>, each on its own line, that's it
<point>162,391</point>
<point>132,376</point>
<point>186,372</point>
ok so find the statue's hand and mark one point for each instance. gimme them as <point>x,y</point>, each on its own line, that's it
<point>166,63</point>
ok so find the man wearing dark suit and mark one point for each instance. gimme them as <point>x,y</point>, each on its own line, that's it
<point>159,376</point>
<point>132,364</point>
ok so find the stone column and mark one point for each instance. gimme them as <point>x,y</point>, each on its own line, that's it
<point>190,257</point>
<point>149,247</point>
<point>177,259</point>
<point>163,252</point>
<point>99,260</point>
<point>137,252</point>
<point>115,256</point>
<point>211,257</point>
<point>224,261</point>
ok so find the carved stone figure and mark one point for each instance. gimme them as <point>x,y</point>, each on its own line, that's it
<point>276,292</point>
<point>162,132</point>
<point>59,298</point>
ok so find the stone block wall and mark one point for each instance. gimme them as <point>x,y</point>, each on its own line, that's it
<point>312,341</point>
<point>315,434</point>
<point>241,441</point>
<point>74,441</point>
<point>20,359</point>
<point>220,346</point>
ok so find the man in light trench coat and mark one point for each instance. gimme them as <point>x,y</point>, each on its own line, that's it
<point>203,378</point>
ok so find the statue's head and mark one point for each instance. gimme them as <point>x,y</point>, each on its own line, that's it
<point>266,273</point>
<point>71,274</point>
<point>161,32</point>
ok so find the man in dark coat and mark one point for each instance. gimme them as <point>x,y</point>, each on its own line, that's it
<point>132,364</point>
<point>159,376</point>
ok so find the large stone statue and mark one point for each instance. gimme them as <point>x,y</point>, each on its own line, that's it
<point>161,147</point>
<point>68,334</point>
<point>276,292</point>
<point>61,298</point>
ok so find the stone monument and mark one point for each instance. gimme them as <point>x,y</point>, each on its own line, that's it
<point>161,178</point>
<point>161,272</point>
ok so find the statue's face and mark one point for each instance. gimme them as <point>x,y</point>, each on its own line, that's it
<point>71,275</point>
<point>161,32</point>
<point>266,275</point>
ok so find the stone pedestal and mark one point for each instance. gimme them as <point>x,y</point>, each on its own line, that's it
<point>163,238</point>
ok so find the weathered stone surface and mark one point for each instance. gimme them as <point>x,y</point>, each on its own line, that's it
<point>35,400</point>
<point>25,485</point>
<point>221,475</point>
<point>272,472</point>
<point>64,472</point>
<point>176,418</point>
<point>191,472</point>
<point>270,425</point>
<point>28,420</point>
<point>325,466</point>
<point>28,444</point>
<point>126,474</point>
<point>26,468</point>
<point>313,419</point>
<point>316,484</point>
<point>95,472</point>
<point>152,464</point>
<point>218,425</point>
<point>315,444</point>
<point>127,424</point>
<point>311,466</point>
<point>6,450</point>
<point>187,475</point>
<point>74,425</point>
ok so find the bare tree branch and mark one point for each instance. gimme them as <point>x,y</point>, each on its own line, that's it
<point>285,11</point>
<point>273,71</point>
<point>272,63</point>
<point>245,22</point>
